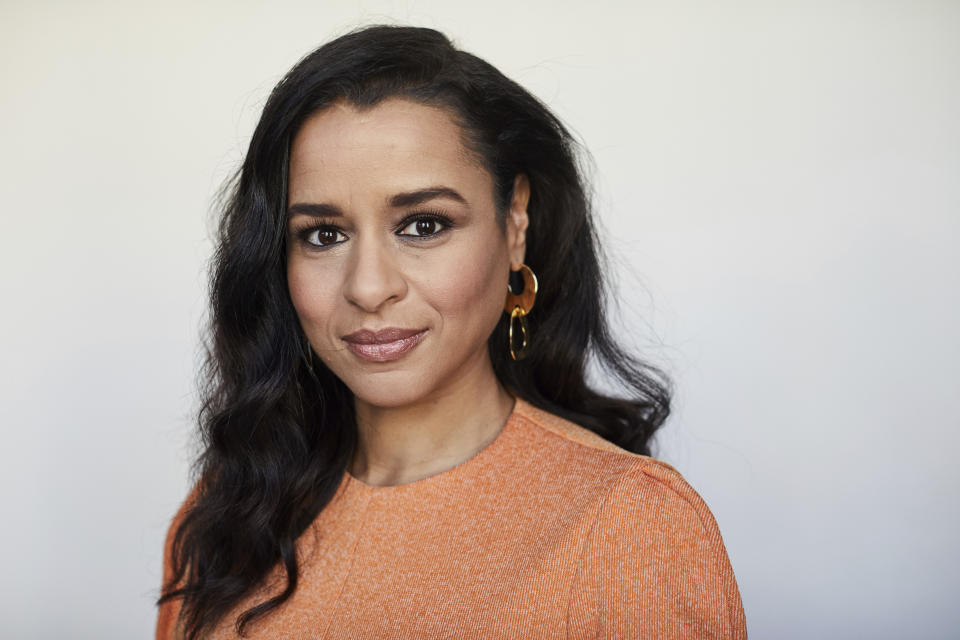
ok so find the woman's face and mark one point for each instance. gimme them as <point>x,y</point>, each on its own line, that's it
<point>396,263</point>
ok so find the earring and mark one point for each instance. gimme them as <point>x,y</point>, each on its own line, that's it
<point>518,305</point>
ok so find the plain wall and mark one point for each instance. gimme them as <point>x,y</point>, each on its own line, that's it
<point>779,183</point>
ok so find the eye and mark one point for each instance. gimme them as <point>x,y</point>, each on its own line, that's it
<point>425,226</point>
<point>323,236</point>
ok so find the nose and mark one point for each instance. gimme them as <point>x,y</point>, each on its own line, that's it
<point>373,278</point>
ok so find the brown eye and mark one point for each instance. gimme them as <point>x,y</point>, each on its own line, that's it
<point>324,236</point>
<point>424,227</point>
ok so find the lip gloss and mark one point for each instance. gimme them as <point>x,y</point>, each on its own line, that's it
<point>385,351</point>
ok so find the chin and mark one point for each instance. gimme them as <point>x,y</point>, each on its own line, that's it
<point>388,390</point>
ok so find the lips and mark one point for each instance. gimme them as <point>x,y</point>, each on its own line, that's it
<point>384,345</point>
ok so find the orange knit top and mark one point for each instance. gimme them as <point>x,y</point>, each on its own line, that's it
<point>549,531</point>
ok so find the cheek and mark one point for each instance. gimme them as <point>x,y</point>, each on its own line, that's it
<point>472,289</point>
<point>313,295</point>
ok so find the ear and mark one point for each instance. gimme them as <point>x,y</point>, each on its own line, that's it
<point>517,221</point>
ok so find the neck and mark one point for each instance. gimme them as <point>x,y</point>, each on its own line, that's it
<point>397,445</point>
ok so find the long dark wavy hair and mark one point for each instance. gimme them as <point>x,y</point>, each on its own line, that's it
<point>276,438</point>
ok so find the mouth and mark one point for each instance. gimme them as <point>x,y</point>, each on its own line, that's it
<point>385,345</point>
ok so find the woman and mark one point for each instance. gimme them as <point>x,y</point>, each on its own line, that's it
<point>400,440</point>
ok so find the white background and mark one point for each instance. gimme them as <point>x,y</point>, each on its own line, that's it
<point>783,183</point>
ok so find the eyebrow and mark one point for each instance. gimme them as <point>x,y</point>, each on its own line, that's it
<point>405,199</point>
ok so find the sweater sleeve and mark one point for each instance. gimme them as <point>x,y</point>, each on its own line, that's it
<point>654,565</point>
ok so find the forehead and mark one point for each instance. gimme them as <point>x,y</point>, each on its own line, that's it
<point>393,146</point>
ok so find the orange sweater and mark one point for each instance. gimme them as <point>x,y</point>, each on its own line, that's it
<point>548,532</point>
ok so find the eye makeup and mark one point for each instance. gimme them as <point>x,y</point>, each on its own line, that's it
<point>327,226</point>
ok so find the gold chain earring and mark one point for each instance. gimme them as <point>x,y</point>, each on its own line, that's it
<point>518,305</point>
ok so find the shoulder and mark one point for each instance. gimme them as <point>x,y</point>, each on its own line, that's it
<point>574,453</point>
<point>568,432</point>
<point>645,491</point>
<point>169,610</point>
<point>653,560</point>
<point>652,495</point>
<point>632,480</point>
<point>621,476</point>
<point>178,517</point>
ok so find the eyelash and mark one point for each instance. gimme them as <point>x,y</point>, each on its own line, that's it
<point>320,224</point>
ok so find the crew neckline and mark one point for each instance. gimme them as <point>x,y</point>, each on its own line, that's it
<point>488,451</point>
